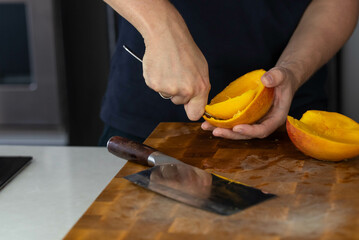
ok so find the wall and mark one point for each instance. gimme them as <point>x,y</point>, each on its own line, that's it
<point>87,57</point>
<point>349,91</point>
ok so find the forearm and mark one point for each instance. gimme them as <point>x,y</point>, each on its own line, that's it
<point>324,28</point>
<point>151,18</point>
<point>173,65</point>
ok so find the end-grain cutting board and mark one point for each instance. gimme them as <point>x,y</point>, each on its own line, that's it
<point>317,200</point>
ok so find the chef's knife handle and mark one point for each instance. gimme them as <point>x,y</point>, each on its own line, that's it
<point>129,150</point>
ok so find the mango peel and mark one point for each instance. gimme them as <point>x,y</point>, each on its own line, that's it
<point>244,101</point>
<point>328,136</point>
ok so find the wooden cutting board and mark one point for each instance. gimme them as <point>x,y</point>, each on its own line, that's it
<point>317,199</point>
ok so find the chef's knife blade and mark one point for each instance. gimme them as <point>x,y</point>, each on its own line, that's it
<point>184,183</point>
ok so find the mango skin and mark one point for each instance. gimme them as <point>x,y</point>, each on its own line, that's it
<point>314,142</point>
<point>255,110</point>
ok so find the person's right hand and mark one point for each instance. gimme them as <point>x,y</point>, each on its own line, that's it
<point>174,66</point>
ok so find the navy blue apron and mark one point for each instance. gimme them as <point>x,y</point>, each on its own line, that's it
<point>235,37</point>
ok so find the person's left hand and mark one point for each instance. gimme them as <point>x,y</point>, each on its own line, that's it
<point>285,84</point>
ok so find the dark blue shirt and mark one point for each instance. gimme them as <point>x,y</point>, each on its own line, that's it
<point>235,36</point>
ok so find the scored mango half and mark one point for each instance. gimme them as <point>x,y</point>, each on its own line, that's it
<point>243,101</point>
<point>324,135</point>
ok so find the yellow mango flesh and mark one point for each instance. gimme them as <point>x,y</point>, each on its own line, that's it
<point>251,80</point>
<point>325,135</point>
<point>243,101</point>
<point>332,125</point>
<point>227,109</point>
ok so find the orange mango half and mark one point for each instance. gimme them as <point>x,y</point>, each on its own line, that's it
<point>244,101</point>
<point>325,135</point>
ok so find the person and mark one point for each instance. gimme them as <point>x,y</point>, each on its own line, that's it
<point>191,50</point>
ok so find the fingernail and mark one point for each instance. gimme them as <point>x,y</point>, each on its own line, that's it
<point>268,79</point>
<point>238,129</point>
<point>216,133</point>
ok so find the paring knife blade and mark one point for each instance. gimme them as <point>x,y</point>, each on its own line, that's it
<point>184,183</point>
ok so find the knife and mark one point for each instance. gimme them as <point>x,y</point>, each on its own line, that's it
<point>182,182</point>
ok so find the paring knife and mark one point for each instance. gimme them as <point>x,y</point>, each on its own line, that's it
<point>184,183</point>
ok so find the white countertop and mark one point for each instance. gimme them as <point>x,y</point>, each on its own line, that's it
<point>48,196</point>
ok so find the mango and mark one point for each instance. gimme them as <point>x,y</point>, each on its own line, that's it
<point>243,101</point>
<point>322,135</point>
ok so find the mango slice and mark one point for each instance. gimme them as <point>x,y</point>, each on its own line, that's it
<point>227,109</point>
<point>325,135</point>
<point>244,101</point>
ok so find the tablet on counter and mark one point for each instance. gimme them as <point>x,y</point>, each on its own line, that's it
<point>10,166</point>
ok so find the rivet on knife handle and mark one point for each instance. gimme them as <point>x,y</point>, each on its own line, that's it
<point>130,150</point>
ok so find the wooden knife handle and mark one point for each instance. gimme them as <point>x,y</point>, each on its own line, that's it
<point>129,150</point>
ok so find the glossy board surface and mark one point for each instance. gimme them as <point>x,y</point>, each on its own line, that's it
<point>316,199</point>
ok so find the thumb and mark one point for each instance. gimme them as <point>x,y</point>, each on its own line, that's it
<point>195,107</point>
<point>274,77</point>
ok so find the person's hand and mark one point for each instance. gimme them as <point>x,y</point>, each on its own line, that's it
<point>285,84</point>
<point>174,66</point>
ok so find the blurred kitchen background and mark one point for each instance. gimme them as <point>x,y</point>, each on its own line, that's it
<point>54,63</point>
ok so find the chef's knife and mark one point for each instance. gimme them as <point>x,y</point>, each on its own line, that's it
<point>184,183</point>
